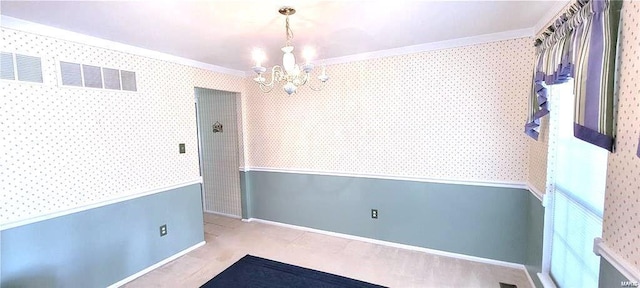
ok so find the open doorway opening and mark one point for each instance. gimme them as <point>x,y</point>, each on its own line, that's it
<point>217,118</point>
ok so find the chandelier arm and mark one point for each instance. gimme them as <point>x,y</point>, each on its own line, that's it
<point>317,89</point>
<point>277,73</point>
<point>305,79</point>
<point>267,89</point>
<point>274,76</point>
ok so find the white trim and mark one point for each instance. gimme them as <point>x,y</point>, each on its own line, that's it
<point>155,266</point>
<point>547,232</point>
<point>48,31</point>
<point>432,46</point>
<point>196,99</point>
<point>535,192</point>
<point>223,214</point>
<point>546,280</point>
<point>505,184</point>
<point>623,266</point>
<point>395,245</point>
<point>550,16</point>
<point>533,284</point>
<point>130,195</point>
<point>440,45</point>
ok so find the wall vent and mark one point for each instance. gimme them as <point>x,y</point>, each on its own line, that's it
<point>128,80</point>
<point>26,68</point>
<point>111,78</point>
<point>29,68</point>
<point>92,76</point>
<point>7,70</point>
<point>71,74</point>
<point>83,75</point>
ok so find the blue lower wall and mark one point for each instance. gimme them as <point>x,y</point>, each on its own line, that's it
<point>486,222</point>
<point>101,246</point>
<point>535,232</point>
<point>609,275</point>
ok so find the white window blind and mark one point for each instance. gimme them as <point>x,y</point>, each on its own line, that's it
<point>578,198</point>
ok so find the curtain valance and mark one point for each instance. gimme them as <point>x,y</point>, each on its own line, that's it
<point>580,45</point>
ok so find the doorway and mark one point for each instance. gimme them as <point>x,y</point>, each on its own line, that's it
<point>216,114</point>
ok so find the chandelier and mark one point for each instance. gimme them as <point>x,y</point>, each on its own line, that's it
<point>290,74</point>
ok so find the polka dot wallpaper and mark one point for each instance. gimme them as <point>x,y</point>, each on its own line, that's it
<point>419,115</point>
<point>63,148</point>
<point>622,199</point>
<point>454,114</point>
<point>538,153</point>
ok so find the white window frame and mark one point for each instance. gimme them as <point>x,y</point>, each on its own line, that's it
<point>548,198</point>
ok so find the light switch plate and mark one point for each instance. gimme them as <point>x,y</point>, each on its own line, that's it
<point>182,148</point>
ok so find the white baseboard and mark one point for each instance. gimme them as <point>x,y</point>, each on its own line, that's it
<point>392,244</point>
<point>223,214</point>
<point>546,281</point>
<point>533,285</point>
<point>155,266</point>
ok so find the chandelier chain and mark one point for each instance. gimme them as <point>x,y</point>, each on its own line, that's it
<point>289,32</point>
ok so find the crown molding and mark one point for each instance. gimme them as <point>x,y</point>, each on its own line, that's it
<point>44,30</point>
<point>48,31</point>
<point>432,46</point>
<point>440,45</point>
<point>553,13</point>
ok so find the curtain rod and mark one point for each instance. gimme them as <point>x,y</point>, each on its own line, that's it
<point>557,21</point>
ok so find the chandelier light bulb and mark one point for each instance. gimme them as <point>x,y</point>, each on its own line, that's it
<point>258,56</point>
<point>309,53</point>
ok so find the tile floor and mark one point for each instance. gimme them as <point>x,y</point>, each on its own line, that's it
<point>230,239</point>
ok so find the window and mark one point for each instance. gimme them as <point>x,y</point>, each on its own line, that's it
<point>578,177</point>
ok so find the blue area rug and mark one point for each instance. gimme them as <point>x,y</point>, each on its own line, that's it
<point>251,271</point>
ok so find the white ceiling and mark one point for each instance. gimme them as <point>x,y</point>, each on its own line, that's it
<point>224,33</point>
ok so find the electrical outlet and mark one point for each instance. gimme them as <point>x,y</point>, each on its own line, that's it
<point>182,149</point>
<point>374,213</point>
<point>163,230</point>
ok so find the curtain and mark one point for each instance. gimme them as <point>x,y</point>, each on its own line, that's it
<point>538,100</point>
<point>595,73</point>
<point>581,44</point>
